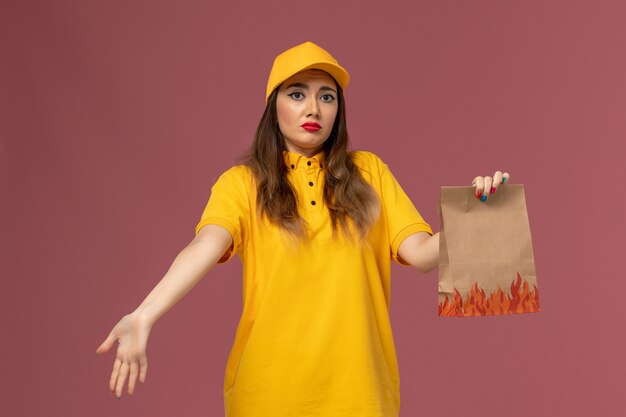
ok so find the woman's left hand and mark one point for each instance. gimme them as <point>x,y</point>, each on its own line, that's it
<point>489,185</point>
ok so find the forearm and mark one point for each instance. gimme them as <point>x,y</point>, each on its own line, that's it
<point>429,253</point>
<point>188,268</point>
<point>420,250</point>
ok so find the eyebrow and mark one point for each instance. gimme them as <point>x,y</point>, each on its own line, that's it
<point>306,87</point>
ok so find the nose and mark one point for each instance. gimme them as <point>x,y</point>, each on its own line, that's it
<point>312,107</point>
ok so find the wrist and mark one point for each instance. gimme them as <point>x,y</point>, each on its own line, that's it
<point>142,314</point>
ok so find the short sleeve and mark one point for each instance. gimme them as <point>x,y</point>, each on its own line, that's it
<point>228,206</point>
<point>403,219</point>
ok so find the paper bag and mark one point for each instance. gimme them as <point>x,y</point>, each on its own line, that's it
<point>486,263</point>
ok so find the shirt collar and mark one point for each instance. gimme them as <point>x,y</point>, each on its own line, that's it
<point>296,160</point>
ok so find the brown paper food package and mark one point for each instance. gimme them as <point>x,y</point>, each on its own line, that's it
<point>486,263</point>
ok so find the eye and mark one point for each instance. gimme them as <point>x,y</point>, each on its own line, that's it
<point>296,95</point>
<point>327,98</point>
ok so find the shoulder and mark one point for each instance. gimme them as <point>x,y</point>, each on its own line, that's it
<point>237,173</point>
<point>366,158</point>
<point>238,177</point>
<point>368,162</point>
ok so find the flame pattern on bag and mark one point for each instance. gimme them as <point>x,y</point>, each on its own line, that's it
<point>498,303</point>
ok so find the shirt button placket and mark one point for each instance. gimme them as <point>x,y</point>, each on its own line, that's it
<point>310,176</point>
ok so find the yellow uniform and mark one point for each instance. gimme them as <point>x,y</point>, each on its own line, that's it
<point>314,338</point>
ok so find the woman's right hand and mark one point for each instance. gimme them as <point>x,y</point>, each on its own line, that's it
<point>191,264</point>
<point>131,332</point>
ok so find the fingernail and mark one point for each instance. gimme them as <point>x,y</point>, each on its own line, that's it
<point>504,180</point>
<point>478,195</point>
<point>493,190</point>
<point>483,198</point>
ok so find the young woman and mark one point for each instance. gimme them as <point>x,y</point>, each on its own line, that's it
<point>316,227</point>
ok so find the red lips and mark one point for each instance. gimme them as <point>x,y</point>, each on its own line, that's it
<point>311,126</point>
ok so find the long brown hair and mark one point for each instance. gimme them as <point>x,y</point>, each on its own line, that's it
<point>349,198</point>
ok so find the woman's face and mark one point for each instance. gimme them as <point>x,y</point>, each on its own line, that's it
<point>308,97</point>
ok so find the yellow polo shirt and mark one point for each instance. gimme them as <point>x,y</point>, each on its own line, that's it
<point>314,338</point>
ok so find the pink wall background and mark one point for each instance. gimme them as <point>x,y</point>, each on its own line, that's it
<point>117,117</point>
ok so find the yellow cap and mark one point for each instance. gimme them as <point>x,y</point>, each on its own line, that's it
<point>305,56</point>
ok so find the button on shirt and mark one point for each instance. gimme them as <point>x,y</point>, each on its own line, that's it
<point>314,338</point>
<point>308,171</point>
